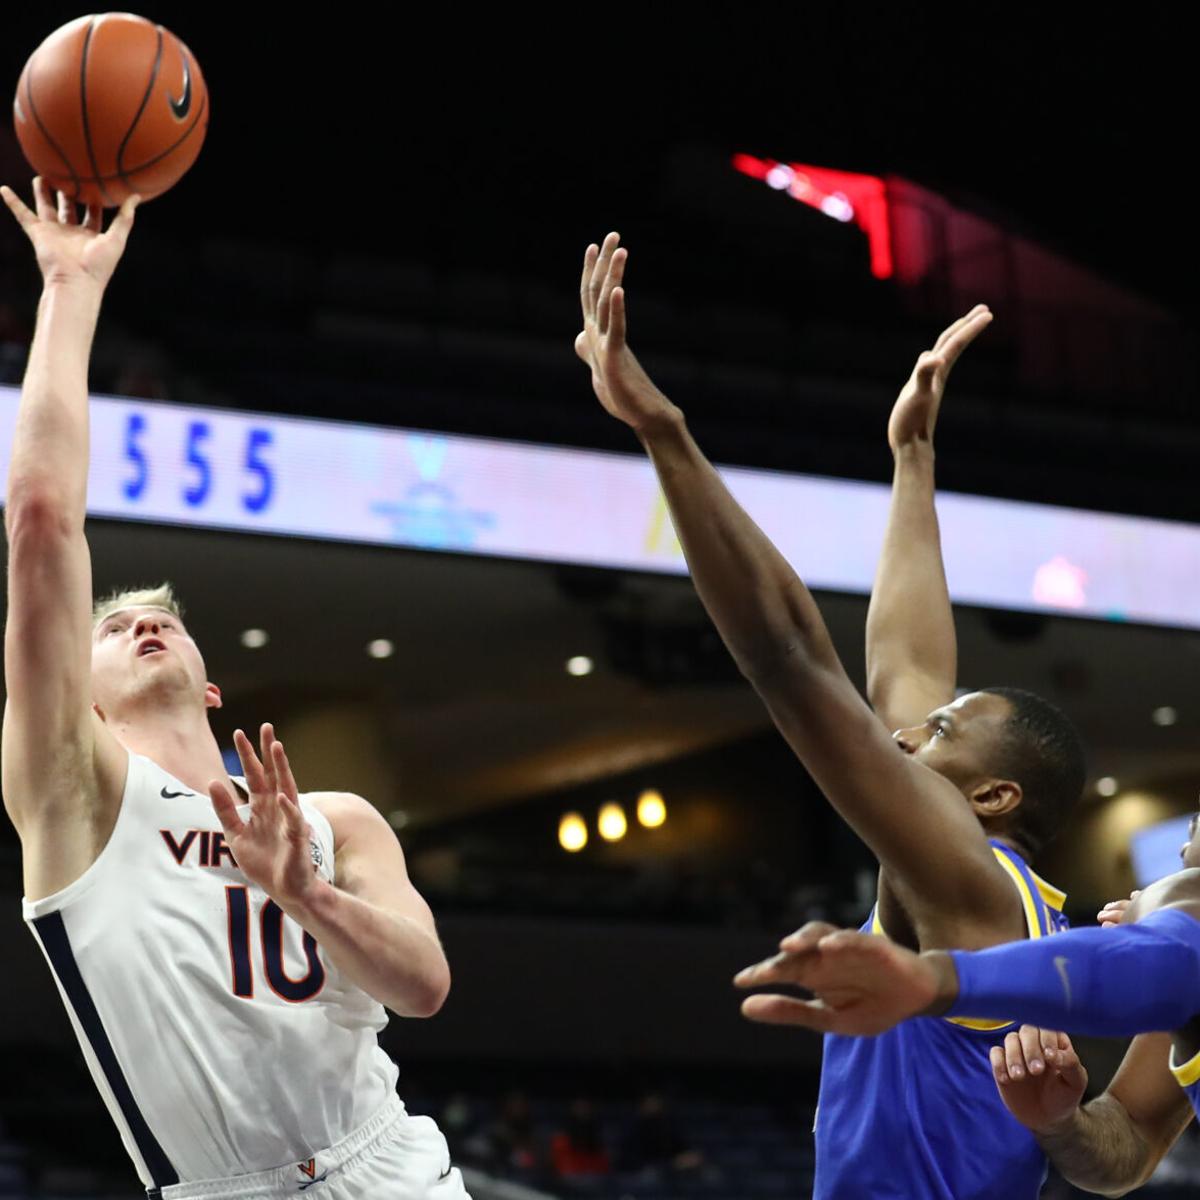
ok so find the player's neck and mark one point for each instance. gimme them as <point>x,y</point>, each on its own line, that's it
<point>179,741</point>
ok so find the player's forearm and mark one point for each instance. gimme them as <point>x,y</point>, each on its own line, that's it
<point>910,623</point>
<point>1109,983</point>
<point>49,461</point>
<point>762,610</point>
<point>391,957</point>
<point>1101,1149</point>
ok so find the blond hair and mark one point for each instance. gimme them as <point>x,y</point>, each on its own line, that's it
<point>162,596</point>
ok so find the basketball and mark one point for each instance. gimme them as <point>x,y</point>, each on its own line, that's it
<point>110,105</point>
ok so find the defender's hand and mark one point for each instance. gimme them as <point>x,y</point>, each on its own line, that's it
<point>1040,1077</point>
<point>274,848</point>
<point>1113,913</point>
<point>863,984</point>
<point>915,412</point>
<point>69,250</point>
<point>625,390</point>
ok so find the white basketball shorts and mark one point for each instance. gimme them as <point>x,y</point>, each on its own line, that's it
<point>393,1156</point>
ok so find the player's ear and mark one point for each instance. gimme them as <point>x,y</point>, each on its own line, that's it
<point>995,797</point>
<point>212,696</point>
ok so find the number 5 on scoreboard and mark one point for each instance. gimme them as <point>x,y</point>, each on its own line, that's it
<point>255,501</point>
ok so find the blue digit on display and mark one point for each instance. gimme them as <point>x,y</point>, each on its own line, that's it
<point>198,431</point>
<point>136,426</point>
<point>256,501</point>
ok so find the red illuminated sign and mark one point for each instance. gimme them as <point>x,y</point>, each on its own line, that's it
<point>842,195</point>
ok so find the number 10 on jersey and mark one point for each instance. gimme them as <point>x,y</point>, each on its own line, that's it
<point>294,991</point>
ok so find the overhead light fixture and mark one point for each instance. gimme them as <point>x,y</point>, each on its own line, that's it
<point>254,639</point>
<point>1165,715</point>
<point>580,665</point>
<point>381,648</point>
<point>612,823</point>
<point>651,809</point>
<point>1107,786</point>
<point>572,832</point>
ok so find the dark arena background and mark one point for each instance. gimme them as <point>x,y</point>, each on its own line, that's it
<point>484,626</point>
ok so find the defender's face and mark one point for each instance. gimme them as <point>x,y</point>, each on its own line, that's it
<point>958,739</point>
<point>140,650</point>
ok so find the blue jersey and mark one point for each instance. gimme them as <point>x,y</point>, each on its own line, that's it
<point>1188,1078</point>
<point>914,1114</point>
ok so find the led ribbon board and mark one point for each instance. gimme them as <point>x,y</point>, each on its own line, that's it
<point>214,469</point>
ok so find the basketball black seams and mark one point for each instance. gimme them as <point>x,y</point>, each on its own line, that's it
<point>46,133</point>
<point>87,132</point>
<point>141,109</point>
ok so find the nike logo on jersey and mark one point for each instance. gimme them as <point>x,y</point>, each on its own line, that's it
<point>1060,964</point>
<point>209,845</point>
<point>181,106</point>
<point>167,795</point>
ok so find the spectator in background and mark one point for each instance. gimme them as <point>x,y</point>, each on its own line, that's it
<point>577,1151</point>
<point>512,1145</point>
<point>655,1144</point>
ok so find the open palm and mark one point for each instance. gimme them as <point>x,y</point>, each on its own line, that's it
<point>862,984</point>
<point>915,412</point>
<point>69,249</point>
<point>619,381</point>
<point>274,847</point>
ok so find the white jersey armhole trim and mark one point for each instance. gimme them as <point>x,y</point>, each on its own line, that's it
<point>56,900</point>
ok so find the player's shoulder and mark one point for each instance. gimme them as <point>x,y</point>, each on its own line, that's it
<point>347,813</point>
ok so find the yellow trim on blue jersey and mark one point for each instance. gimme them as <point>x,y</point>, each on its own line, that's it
<point>1032,920</point>
<point>1187,1074</point>
<point>982,1026</point>
<point>1032,916</point>
<point>1050,893</point>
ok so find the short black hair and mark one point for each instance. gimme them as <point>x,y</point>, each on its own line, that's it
<point>1043,752</point>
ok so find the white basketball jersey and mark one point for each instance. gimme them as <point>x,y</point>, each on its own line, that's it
<point>220,1036</point>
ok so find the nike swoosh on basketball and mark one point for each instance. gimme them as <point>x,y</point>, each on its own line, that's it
<point>181,106</point>
<point>1061,963</point>
<point>175,795</point>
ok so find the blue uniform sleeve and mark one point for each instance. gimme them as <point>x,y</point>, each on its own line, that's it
<point>1105,982</point>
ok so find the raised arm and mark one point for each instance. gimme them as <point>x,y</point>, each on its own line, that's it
<point>911,648</point>
<point>773,628</point>
<point>55,763</point>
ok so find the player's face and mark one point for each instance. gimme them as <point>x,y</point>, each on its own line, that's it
<point>143,651</point>
<point>957,739</point>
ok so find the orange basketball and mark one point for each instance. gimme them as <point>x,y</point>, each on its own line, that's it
<point>110,105</point>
